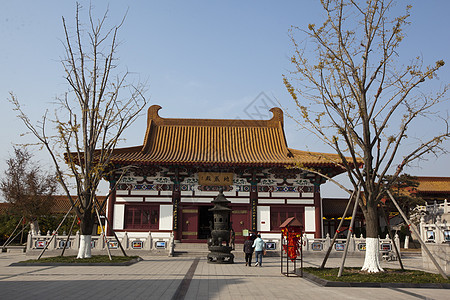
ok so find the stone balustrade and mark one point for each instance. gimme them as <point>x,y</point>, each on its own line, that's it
<point>435,229</point>
<point>163,245</point>
<point>357,245</point>
<point>437,239</point>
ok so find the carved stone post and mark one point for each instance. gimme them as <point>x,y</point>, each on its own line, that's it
<point>76,242</point>
<point>149,242</point>
<point>29,241</point>
<point>125,240</point>
<point>327,241</point>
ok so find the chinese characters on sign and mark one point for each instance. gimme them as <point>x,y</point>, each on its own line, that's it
<point>206,178</point>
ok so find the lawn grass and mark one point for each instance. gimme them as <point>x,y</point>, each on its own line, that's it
<point>389,276</point>
<point>73,259</point>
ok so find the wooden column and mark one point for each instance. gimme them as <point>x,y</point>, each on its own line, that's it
<point>254,200</point>
<point>317,208</point>
<point>176,195</point>
<point>110,205</point>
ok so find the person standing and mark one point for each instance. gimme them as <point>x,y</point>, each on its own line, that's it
<point>232,238</point>
<point>248,250</point>
<point>259,246</point>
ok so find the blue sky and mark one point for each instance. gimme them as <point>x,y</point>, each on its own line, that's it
<point>202,59</point>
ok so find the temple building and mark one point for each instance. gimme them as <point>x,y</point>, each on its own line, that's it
<point>182,164</point>
<point>433,189</point>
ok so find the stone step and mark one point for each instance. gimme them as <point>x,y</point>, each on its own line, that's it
<point>196,246</point>
<point>190,247</point>
<point>194,249</point>
<point>201,250</point>
<point>190,253</point>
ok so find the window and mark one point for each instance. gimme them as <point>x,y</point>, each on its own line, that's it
<point>141,217</point>
<point>279,214</point>
<point>447,236</point>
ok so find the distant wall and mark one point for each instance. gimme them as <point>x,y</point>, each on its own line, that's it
<point>441,253</point>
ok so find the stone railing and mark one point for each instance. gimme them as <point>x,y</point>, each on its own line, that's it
<point>437,232</point>
<point>356,244</point>
<point>148,243</point>
<point>435,209</point>
<point>442,208</point>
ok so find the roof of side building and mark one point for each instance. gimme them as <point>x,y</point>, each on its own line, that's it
<point>428,184</point>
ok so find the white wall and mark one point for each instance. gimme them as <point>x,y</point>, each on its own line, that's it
<point>310,218</point>
<point>263,217</point>
<point>165,217</point>
<point>119,215</point>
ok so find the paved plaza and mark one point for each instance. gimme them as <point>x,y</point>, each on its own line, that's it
<point>158,277</point>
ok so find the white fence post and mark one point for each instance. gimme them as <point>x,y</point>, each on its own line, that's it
<point>76,242</point>
<point>148,244</point>
<point>422,228</point>
<point>171,244</point>
<point>125,241</point>
<point>355,248</point>
<point>397,242</point>
<point>29,241</point>
<point>445,206</point>
<point>306,242</point>
<point>327,241</point>
<point>55,242</point>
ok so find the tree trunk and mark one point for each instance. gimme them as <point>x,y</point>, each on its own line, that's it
<point>34,227</point>
<point>85,246</point>
<point>372,261</point>
<point>86,227</point>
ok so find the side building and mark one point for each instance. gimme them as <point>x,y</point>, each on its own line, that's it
<point>182,164</point>
<point>433,189</point>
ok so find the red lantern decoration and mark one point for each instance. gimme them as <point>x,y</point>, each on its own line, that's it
<point>291,230</point>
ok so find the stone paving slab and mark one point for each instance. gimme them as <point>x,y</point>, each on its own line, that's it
<point>161,277</point>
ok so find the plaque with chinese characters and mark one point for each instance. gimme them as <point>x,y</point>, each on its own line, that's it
<point>208,178</point>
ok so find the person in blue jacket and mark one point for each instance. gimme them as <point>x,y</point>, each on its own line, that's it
<point>259,246</point>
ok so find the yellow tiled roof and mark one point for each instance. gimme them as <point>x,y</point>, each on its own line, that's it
<point>433,184</point>
<point>61,204</point>
<point>219,142</point>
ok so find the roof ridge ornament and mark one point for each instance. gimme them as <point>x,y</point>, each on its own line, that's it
<point>277,115</point>
<point>153,112</point>
<point>277,118</point>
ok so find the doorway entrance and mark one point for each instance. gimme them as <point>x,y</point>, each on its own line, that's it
<point>204,216</point>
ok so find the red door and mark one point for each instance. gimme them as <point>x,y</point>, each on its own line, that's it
<point>240,216</point>
<point>189,221</point>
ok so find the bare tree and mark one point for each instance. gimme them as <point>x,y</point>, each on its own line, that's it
<point>355,95</point>
<point>28,188</point>
<point>92,115</point>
